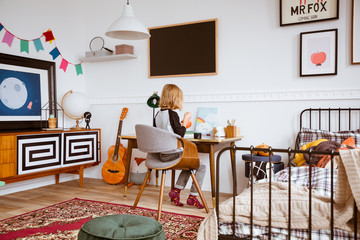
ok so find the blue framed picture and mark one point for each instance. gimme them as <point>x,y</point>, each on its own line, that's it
<point>26,85</point>
<point>20,93</point>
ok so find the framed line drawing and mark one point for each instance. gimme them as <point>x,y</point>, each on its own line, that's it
<point>318,53</point>
<point>306,11</point>
<point>26,85</point>
<point>355,32</point>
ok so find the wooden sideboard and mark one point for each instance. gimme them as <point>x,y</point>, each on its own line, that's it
<point>33,154</point>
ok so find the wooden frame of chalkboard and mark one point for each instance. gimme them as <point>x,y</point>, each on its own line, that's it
<point>185,49</point>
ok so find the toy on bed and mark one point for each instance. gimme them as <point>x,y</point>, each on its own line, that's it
<point>300,202</point>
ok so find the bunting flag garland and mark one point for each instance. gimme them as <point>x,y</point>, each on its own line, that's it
<point>8,38</point>
<point>64,65</point>
<point>54,53</point>
<point>49,37</point>
<point>38,45</point>
<point>78,69</point>
<point>24,46</point>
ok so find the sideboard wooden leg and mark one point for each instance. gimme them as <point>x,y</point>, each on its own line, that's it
<point>57,178</point>
<point>81,176</point>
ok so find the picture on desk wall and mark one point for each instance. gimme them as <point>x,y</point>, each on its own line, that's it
<point>26,85</point>
<point>318,53</point>
<point>206,120</point>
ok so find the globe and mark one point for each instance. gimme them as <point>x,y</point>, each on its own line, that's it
<point>75,104</point>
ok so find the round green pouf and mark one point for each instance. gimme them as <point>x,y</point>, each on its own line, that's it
<point>122,227</point>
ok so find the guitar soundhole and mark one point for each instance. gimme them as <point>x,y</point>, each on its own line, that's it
<point>112,171</point>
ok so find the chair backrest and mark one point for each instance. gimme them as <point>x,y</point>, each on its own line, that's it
<point>154,140</point>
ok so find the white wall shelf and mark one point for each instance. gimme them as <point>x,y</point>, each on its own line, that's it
<point>108,58</point>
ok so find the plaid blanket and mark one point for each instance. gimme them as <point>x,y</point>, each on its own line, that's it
<point>320,181</point>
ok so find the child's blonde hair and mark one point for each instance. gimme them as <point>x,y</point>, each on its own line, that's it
<point>171,97</point>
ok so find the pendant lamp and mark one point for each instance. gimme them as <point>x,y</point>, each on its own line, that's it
<point>127,27</point>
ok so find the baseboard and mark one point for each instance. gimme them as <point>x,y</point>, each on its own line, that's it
<point>34,183</point>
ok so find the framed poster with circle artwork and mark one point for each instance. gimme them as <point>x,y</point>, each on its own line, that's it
<point>318,53</point>
<point>26,85</point>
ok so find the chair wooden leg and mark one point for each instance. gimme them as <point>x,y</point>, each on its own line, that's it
<point>172,179</point>
<point>162,186</point>
<point>199,191</point>
<point>142,188</point>
<point>157,178</point>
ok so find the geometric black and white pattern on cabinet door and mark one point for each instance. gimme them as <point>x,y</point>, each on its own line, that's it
<point>80,148</point>
<point>38,152</point>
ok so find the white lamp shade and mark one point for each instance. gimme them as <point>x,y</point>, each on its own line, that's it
<point>127,27</point>
<point>75,105</point>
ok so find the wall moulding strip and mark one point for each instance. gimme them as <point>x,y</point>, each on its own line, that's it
<point>313,95</point>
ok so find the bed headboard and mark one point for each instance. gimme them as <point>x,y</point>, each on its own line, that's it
<point>330,119</point>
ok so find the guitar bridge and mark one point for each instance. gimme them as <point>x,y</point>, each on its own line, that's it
<point>112,171</point>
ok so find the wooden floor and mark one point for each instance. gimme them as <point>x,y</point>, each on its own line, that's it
<point>94,189</point>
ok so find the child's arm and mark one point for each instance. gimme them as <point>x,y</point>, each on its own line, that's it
<point>187,118</point>
<point>175,123</point>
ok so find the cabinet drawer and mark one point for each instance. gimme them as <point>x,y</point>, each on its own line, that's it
<point>7,170</point>
<point>8,156</point>
<point>7,142</point>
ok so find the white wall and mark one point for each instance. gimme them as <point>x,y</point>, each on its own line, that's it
<point>257,84</point>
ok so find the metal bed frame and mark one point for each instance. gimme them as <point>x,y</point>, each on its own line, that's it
<point>307,114</point>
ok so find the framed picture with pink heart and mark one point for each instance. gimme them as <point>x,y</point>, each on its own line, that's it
<point>318,53</point>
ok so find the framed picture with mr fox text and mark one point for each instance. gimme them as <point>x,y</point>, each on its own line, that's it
<point>305,11</point>
<point>318,53</point>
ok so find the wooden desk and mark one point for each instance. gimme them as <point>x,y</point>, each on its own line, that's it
<point>204,145</point>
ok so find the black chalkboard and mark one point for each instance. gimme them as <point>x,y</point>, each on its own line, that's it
<point>183,49</point>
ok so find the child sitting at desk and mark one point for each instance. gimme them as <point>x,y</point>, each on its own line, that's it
<point>166,118</point>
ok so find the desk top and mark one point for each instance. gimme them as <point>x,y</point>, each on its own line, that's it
<point>202,140</point>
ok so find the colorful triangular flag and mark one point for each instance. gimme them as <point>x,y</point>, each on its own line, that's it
<point>24,46</point>
<point>38,45</point>
<point>1,27</point>
<point>48,36</point>
<point>54,53</point>
<point>64,65</point>
<point>78,69</point>
<point>8,38</point>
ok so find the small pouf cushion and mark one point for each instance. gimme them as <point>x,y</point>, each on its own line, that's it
<point>256,158</point>
<point>122,227</point>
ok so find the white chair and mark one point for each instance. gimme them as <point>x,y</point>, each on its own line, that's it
<point>155,141</point>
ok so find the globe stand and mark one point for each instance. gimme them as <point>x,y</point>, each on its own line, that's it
<point>77,127</point>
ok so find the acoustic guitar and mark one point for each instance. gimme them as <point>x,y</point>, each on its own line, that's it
<point>113,170</point>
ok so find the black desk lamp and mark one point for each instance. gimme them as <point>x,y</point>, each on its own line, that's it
<point>153,102</point>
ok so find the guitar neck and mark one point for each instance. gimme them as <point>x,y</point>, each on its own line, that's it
<point>118,138</point>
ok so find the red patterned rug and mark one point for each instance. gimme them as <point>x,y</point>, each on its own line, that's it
<point>63,220</point>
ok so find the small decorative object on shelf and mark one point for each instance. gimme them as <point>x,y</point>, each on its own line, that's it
<point>52,121</point>
<point>124,49</point>
<point>97,48</point>
<point>51,113</point>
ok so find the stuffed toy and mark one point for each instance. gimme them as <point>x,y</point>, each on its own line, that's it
<point>261,153</point>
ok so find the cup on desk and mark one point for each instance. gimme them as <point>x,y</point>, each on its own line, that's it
<point>232,131</point>
<point>197,135</point>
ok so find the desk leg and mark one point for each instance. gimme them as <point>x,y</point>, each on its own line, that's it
<point>212,172</point>
<point>128,162</point>
<point>232,157</point>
